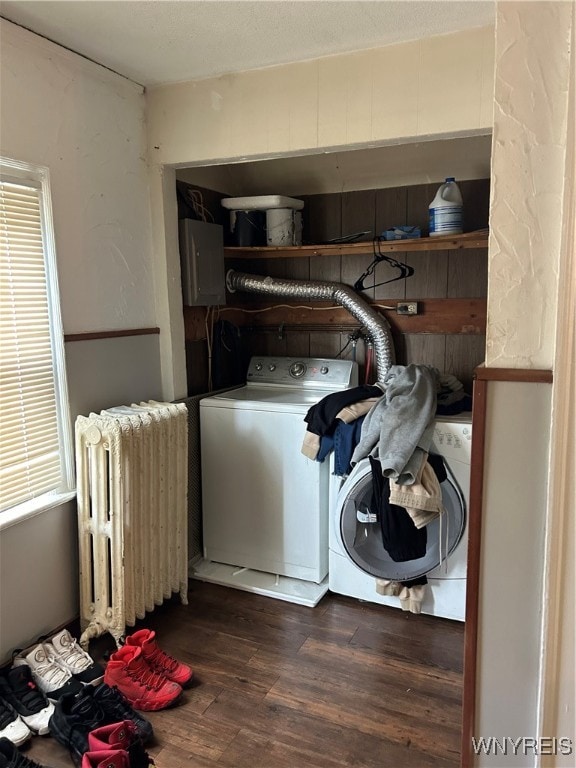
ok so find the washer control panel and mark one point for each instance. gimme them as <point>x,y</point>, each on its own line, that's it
<point>453,437</point>
<point>315,372</point>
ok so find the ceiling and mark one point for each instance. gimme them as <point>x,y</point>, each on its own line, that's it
<point>155,42</point>
<point>397,165</point>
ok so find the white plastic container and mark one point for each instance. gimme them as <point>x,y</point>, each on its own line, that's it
<point>298,224</point>
<point>280,226</point>
<point>446,210</point>
<point>261,203</point>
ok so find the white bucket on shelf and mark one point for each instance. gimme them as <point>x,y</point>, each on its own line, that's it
<point>261,203</point>
<point>298,227</point>
<point>280,226</point>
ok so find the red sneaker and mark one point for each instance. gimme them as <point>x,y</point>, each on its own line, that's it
<point>159,660</point>
<point>114,736</point>
<point>122,735</point>
<point>114,758</point>
<point>144,688</point>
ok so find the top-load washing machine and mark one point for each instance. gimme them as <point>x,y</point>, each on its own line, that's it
<point>357,556</point>
<point>265,505</point>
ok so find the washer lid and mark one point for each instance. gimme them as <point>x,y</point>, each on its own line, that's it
<point>363,540</point>
<point>263,398</point>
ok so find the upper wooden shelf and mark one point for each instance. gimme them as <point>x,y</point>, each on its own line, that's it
<point>477,239</point>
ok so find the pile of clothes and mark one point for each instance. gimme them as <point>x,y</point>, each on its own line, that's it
<point>392,424</point>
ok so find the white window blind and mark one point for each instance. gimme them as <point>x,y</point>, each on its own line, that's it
<point>34,434</point>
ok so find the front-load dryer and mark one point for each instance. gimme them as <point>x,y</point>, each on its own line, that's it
<point>357,556</point>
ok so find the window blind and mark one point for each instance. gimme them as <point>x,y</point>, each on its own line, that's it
<point>30,455</point>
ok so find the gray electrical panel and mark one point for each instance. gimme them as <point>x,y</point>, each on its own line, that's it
<point>202,263</point>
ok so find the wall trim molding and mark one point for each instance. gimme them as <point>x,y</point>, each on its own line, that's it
<point>529,375</point>
<point>110,334</point>
<point>473,568</point>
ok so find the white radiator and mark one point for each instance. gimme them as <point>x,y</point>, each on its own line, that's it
<point>132,480</point>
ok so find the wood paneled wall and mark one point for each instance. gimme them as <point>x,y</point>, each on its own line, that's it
<point>455,274</point>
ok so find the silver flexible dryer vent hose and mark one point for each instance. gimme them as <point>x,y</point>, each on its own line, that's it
<point>375,324</point>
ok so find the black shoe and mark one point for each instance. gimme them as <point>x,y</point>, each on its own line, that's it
<point>19,689</point>
<point>12,727</point>
<point>138,756</point>
<point>11,758</point>
<point>117,708</point>
<point>75,715</point>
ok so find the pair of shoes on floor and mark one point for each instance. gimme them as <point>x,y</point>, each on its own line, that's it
<point>60,666</point>
<point>24,709</point>
<point>116,746</point>
<point>10,757</point>
<point>77,715</point>
<point>149,677</point>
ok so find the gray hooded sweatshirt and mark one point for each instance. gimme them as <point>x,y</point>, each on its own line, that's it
<point>399,428</point>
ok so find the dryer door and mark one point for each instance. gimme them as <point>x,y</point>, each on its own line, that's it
<point>362,540</point>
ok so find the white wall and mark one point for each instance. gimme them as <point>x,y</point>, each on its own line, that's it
<point>526,269</point>
<point>558,695</point>
<point>87,126</point>
<point>510,600</point>
<point>439,85</point>
<point>528,160</point>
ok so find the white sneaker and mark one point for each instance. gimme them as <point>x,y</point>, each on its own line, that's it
<point>50,676</point>
<point>12,727</point>
<point>70,655</point>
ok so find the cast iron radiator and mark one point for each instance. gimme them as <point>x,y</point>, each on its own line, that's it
<point>132,492</point>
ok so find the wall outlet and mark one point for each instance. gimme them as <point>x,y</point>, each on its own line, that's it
<point>407,308</point>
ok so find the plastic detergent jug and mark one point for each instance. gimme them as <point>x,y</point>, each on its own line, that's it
<point>445,211</point>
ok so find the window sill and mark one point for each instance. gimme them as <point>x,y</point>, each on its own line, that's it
<point>34,507</point>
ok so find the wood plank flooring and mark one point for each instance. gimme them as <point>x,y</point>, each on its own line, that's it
<point>285,686</point>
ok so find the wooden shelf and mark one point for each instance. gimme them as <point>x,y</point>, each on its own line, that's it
<point>470,240</point>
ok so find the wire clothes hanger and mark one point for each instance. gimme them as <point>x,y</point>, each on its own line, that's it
<point>405,270</point>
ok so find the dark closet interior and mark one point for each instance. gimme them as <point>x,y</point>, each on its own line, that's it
<point>450,284</point>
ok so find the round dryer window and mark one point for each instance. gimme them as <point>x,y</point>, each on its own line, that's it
<point>362,538</point>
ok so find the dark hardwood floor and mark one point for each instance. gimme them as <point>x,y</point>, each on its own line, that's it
<point>284,686</point>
